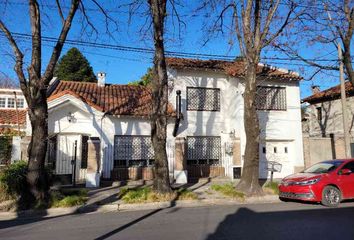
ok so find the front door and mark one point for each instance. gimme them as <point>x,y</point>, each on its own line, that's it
<point>66,154</point>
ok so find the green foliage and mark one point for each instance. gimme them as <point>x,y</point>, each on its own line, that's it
<point>273,187</point>
<point>228,189</point>
<point>68,198</point>
<point>146,79</point>
<point>5,149</point>
<point>73,66</point>
<point>13,179</point>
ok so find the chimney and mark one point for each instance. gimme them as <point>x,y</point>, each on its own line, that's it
<point>101,79</point>
<point>315,89</point>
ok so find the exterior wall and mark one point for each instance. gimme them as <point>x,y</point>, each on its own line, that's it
<point>276,126</point>
<point>281,126</point>
<point>331,124</point>
<point>317,150</point>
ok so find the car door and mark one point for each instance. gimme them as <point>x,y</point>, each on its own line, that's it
<point>346,182</point>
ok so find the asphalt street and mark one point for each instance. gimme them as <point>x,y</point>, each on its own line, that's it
<point>254,221</point>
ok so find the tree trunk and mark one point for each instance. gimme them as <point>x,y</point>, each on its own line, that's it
<point>37,177</point>
<point>159,99</point>
<point>249,183</point>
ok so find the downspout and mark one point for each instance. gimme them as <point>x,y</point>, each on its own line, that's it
<point>101,134</point>
<point>178,113</point>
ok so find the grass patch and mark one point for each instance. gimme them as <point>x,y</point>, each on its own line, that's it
<point>228,190</point>
<point>143,195</point>
<point>186,194</point>
<point>68,197</point>
<point>272,188</point>
<point>146,194</point>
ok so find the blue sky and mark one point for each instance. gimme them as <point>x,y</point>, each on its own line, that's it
<point>123,66</point>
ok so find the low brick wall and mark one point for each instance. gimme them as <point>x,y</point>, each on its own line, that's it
<point>132,173</point>
<point>203,171</point>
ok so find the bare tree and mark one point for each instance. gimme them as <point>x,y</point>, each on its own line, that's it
<point>159,98</point>
<point>35,90</point>
<point>255,24</point>
<point>327,24</point>
<point>34,84</point>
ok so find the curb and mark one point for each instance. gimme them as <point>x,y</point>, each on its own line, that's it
<point>119,207</point>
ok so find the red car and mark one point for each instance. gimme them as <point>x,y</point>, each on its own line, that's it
<point>328,182</point>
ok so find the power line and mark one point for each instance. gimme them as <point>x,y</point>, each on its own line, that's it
<point>151,51</point>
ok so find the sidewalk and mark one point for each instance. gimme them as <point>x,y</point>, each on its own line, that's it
<point>107,200</point>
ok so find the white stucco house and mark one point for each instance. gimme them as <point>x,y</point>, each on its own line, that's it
<point>110,124</point>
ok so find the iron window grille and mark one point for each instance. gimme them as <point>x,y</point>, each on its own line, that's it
<point>203,99</point>
<point>11,103</point>
<point>2,102</point>
<point>133,151</point>
<point>20,103</point>
<point>271,98</point>
<point>203,150</point>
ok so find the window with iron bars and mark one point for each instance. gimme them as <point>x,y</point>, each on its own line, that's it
<point>203,150</point>
<point>271,98</point>
<point>203,99</point>
<point>133,151</point>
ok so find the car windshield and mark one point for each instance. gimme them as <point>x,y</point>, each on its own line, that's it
<point>323,167</point>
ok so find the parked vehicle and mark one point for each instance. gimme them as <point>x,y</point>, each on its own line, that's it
<point>328,182</point>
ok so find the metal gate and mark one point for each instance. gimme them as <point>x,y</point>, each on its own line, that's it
<point>204,157</point>
<point>65,154</point>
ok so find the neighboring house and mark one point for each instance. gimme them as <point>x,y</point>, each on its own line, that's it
<point>110,124</point>
<point>323,124</point>
<point>13,115</point>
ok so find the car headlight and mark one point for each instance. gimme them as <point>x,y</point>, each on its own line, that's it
<point>308,182</point>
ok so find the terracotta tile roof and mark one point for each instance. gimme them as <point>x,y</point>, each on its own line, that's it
<point>330,94</point>
<point>114,99</point>
<point>9,116</point>
<point>235,69</point>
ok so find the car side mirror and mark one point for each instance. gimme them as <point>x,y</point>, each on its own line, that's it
<point>345,171</point>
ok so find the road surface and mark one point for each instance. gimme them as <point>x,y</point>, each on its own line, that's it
<point>258,221</point>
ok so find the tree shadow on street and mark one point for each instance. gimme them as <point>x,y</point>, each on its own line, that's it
<point>322,223</point>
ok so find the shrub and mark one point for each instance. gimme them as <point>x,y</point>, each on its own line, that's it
<point>13,179</point>
<point>228,190</point>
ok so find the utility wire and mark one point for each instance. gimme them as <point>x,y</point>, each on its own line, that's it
<point>151,51</point>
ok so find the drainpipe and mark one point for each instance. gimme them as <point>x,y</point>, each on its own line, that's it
<point>178,114</point>
<point>101,134</point>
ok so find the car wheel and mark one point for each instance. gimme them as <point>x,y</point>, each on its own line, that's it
<point>331,196</point>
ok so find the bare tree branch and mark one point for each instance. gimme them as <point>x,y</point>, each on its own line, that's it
<point>48,74</point>
<point>18,56</point>
<point>60,11</point>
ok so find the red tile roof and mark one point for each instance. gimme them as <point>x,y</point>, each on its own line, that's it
<point>232,68</point>
<point>114,99</point>
<point>9,116</point>
<point>330,94</point>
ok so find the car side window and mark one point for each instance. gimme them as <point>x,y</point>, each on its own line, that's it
<point>349,166</point>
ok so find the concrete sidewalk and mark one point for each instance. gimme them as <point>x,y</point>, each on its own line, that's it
<point>106,199</point>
